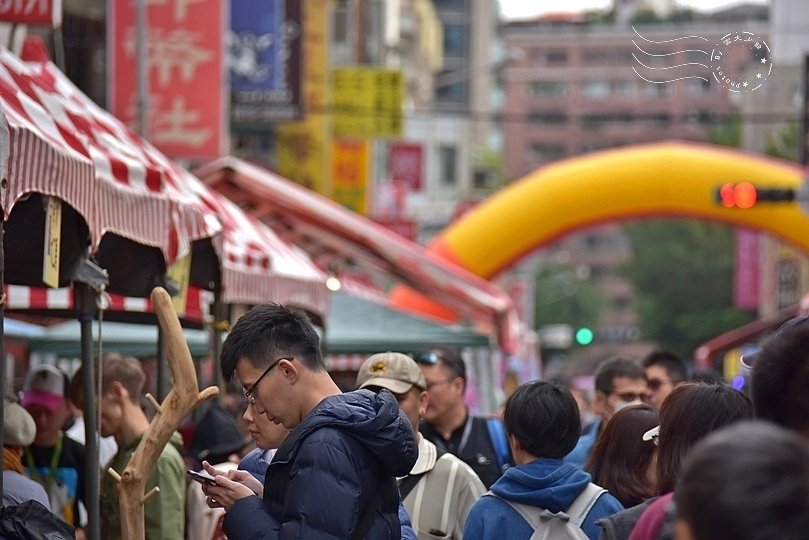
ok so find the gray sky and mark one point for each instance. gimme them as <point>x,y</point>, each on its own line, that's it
<point>526,8</point>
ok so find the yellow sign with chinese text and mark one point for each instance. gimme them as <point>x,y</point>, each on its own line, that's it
<point>367,103</point>
<point>303,146</point>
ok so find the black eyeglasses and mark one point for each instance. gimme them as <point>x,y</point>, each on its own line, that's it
<point>250,394</point>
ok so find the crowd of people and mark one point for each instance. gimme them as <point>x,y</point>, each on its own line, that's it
<point>666,455</point>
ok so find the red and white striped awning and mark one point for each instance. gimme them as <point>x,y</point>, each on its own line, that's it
<point>22,298</point>
<point>63,145</point>
<point>328,226</point>
<point>259,267</point>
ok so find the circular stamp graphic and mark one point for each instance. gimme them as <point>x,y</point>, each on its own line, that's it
<point>754,73</point>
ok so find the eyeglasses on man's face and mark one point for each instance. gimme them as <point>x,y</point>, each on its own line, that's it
<point>250,395</point>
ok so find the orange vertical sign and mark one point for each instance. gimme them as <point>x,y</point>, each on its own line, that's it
<point>349,173</point>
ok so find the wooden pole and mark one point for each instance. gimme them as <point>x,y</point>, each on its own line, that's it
<point>180,401</point>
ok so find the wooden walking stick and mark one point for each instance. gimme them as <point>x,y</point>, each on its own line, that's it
<point>180,401</point>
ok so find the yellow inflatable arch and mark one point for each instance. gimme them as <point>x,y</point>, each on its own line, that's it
<point>668,179</point>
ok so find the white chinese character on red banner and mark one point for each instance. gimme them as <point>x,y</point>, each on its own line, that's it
<point>169,50</point>
<point>177,125</point>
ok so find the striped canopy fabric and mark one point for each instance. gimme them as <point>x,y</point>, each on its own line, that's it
<point>61,144</point>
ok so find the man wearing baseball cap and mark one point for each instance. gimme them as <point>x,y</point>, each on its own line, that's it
<point>54,460</point>
<point>440,489</point>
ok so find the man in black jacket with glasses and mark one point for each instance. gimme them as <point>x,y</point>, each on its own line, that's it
<point>480,442</point>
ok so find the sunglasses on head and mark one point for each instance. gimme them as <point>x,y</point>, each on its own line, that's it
<point>428,358</point>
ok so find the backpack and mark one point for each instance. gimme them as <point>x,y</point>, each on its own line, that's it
<point>548,525</point>
<point>30,520</point>
<point>497,434</point>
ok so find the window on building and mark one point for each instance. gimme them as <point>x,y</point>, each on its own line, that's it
<point>545,151</point>
<point>451,93</point>
<point>698,87</point>
<point>697,56</point>
<point>553,89</point>
<point>456,38</point>
<point>596,56</point>
<point>657,90</point>
<point>595,89</point>
<point>459,5</point>
<point>624,57</point>
<point>544,57</point>
<point>555,118</point>
<point>624,88</point>
<point>448,165</point>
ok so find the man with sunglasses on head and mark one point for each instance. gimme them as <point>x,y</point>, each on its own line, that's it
<point>334,476</point>
<point>480,442</point>
<point>619,382</point>
<point>664,372</point>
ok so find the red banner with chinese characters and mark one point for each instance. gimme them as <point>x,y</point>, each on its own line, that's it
<point>406,165</point>
<point>185,72</point>
<point>44,12</point>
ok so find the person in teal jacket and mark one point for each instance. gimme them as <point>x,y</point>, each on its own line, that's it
<point>123,418</point>
<point>543,424</point>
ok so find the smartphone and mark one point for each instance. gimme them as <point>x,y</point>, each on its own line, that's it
<point>201,476</point>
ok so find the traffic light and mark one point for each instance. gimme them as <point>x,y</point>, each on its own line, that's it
<point>746,195</point>
<point>584,336</point>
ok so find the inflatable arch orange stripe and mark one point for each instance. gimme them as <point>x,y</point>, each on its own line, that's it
<point>669,179</point>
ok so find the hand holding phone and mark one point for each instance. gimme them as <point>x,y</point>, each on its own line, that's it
<point>202,476</point>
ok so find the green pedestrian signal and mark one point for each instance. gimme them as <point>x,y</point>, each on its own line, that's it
<point>584,336</point>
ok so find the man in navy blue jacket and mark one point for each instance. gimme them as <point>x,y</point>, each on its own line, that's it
<point>334,475</point>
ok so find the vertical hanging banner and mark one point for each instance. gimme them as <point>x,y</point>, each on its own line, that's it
<point>264,60</point>
<point>185,72</point>
<point>349,173</point>
<point>406,165</point>
<point>53,242</point>
<point>303,147</point>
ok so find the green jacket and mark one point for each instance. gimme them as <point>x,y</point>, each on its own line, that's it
<point>165,511</point>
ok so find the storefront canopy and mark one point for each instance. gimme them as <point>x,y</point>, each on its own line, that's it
<point>321,226</point>
<point>356,326</point>
<point>63,145</point>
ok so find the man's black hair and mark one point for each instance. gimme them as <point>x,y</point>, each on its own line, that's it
<point>748,482</point>
<point>268,332</point>
<point>780,379</point>
<point>676,368</point>
<point>612,368</point>
<point>544,417</point>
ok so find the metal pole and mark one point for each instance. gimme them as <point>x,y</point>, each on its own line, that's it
<point>141,24</point>
<point>2,337</point>
<point>86,308</point>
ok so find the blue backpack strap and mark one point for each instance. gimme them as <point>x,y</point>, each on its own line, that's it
<point>497,434</point>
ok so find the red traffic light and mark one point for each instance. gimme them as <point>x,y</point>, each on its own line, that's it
<point>741,195</point>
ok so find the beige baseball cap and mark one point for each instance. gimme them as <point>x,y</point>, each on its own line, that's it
<point>395,371</point>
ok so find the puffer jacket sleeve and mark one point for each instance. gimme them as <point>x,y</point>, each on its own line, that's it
<point>249,519</point>
<point>322,499</point>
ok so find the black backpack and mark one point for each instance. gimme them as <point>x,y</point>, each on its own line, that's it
<point>32,521</point>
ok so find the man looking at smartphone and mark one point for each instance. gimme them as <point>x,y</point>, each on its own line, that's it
<point>335,474</point>
<point>123,418</point>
